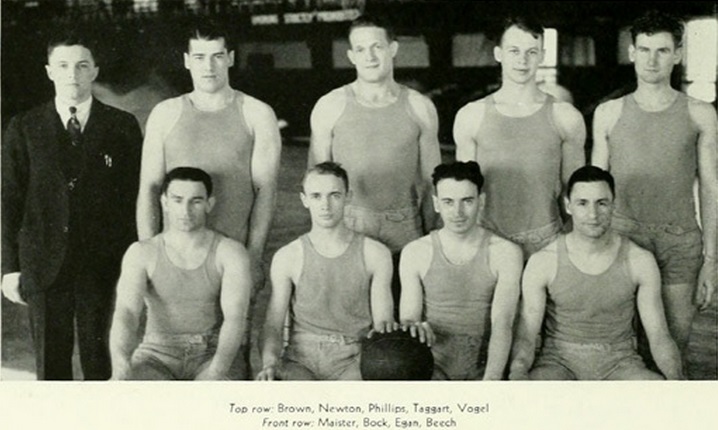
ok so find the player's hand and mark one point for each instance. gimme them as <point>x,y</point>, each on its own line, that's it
<point>383,327</point>
<point>420,329</point>
<point>707,281</point>
<point>268,373</point>
<point>11,287</point>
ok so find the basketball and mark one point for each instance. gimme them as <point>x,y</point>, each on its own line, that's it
<point>396,356</point>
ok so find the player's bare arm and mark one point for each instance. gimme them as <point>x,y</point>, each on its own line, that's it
<point>379,266</point>
<point>284,271</point>
<point>540,271</point>
<point>704,116</point>
<point>266,153</point>
<point>323,117</point>
<point>466,125</point>
<point>506,262</point>
<point>429,152</point>
<point>413,266</point>
<point>644,271</point>
<point>572,129</point>
<point>233,262</point>
<point>161,120</point>
<point>131,289</point>
<point>604,119</point>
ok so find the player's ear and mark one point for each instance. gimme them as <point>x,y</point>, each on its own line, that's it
<point>349,195</point>
<point>677,55</point>
<point>95,72</point>
<point>303,198</point>
<point>497,54</point>
<point>163,201</point>
<point>210,203</point>
<point>186,60</point>
<point>350,56</point>
<point>435,199</point>
<point>565,205</point>
<point>48,70</point>
<point>393,48</point>
<point>631,52</point>
<point>230,55</point>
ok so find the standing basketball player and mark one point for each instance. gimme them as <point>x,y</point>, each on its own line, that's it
<point>229,134</point>
<point>526,142</point>
<point>460,284</point>
<point>335,284</point>
<point>385,135</point>
<point>656,141</point>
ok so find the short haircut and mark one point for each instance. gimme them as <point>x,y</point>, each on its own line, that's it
<point>206,29</point>
<point>329,168</point>
<point>71,38</point>
<point>191,174</point>
<point>379,21</point>
<point>590,174</point>
<point>459,171</point>
<point>525,23</point>
<point>655,21</point>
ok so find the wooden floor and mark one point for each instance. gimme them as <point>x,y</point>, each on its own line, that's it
<point>290,221</point>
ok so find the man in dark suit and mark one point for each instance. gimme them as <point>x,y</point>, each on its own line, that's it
<point>70,172</point>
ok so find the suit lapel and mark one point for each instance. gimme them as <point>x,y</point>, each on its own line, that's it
<point>51,134</point>
<point>94,129</point>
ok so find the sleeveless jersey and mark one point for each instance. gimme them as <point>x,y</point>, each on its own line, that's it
<point>220,143</point>
<point>457,297</point>
<point>184,301</point>
<point>583,308</point>
<point>379,148</point>
<point>521,161</point>
<point>653,158</point>
<point>332,294</point>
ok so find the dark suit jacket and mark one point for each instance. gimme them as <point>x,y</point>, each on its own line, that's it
<point>36,198</point>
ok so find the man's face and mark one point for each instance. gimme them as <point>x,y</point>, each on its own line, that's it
<point>591,207</point>
<point>458,203</point>
<point>208,62</point>
<point>520,54</point>
<point>372,54</point>
<point>72,70</point>
<point>325,197</point>
<point>187,205</point>
<point>654,56</point>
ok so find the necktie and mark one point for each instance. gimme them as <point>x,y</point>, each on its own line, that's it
<point>73,127</point>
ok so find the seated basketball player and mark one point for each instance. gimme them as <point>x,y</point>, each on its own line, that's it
<point>460,284</point>
<point>196,285</point>
<point>589,283</point>
<point>335,284</point>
